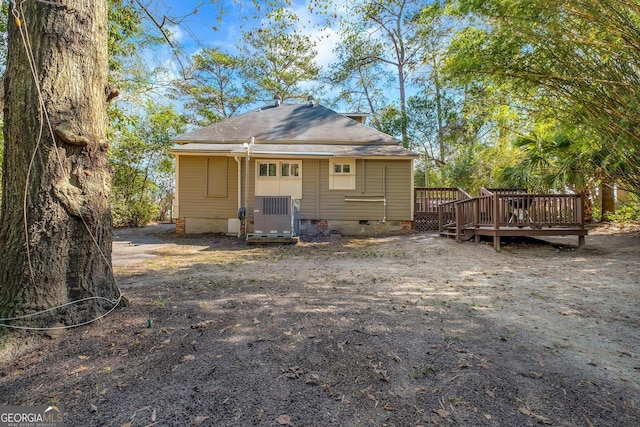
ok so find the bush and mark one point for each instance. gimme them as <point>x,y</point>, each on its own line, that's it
<point>627,213</point>
<point>134,213</point>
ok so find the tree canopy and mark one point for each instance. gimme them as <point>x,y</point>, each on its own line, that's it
<point>570,62</point>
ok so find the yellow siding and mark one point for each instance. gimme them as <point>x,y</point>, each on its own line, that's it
<point>217,177</point>
<point>318,202</point>
<point>192,190</point>
<point>369,182</point>
<point>310,189</point>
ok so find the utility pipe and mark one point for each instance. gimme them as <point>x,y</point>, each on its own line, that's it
<point>239,162</point>
<point>384,193</point>
<point>246,181</point>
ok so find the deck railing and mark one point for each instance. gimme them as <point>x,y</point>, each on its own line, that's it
<point>504,210</point>
<point>501,191</point>
<point>427,203</point>
<point>498,212</point>
<point>428,199</point>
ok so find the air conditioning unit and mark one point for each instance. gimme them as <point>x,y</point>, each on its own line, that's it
<point>275,216</point>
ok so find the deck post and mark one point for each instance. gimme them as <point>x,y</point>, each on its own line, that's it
<point>580,211</point>
<point>496,213</point>
<point>581,241</point>
<point>458,223</point>
<point>496,222</point>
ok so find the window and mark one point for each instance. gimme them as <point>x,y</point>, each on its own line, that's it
<point>342,168</point>
<point>279,178</point>
<point>342,174</point>
<point>289,170</point>
<point>266,170</point>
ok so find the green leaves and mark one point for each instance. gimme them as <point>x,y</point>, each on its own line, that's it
<point>213,90</point>
<point>278,58</point>
<point>142,163</point>
<point>570,60</point>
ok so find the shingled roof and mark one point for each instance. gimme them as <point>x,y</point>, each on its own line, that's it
<point>286,124</point>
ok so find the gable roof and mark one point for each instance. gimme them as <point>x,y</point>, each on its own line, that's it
<point>286,124</point>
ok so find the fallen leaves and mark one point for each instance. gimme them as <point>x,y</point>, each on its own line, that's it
<point>312,379</point>
<point>539,418</point>
<point>293,372</point>
<point>442,412</point>
<point>202,325</point>
<point>79,369</point>
<point>367,393</point>
<point>199,420</point>
<point>284,420</point>
<point>379,369</point>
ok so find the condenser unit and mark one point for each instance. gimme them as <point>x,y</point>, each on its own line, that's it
<point>274,217</point>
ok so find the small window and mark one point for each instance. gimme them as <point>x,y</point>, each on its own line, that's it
<point>342,174</point>
<point>339,168</point>
<point>267,169</point>
<point>290,170</point>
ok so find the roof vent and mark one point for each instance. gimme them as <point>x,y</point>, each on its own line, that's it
<point>278,100</point>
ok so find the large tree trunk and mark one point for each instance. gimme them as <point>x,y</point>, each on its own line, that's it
<point>55,243</point>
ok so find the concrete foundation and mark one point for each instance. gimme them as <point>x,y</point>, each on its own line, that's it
<point>308,227</point>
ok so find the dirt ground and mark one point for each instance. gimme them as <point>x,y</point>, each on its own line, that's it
<point>403,330</point>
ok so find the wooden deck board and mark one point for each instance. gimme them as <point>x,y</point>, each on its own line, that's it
<point>527,231</point>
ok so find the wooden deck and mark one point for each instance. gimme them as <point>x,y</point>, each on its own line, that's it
<point>427,201</point>
<point>504,212</point>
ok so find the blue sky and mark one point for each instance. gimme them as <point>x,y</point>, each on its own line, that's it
<point>220,25</point>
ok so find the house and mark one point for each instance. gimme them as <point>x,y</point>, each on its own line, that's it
<point>344,176</point>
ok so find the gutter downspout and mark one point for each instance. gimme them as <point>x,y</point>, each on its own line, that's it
<point>175,209</point>
<point>246,182</point>
<point>384,193</point>
<point>239,162</point>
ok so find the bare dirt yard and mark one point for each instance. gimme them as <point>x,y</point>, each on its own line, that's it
<point>402,330</point>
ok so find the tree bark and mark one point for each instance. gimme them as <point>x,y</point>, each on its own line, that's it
<point>55,242</point>
<point>608,200</point>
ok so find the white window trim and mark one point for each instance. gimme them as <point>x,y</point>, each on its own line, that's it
<point>259,163</point>
<point>290,163</point>
<point>342,180</point>
<point>278,164</point>
<point>278,185</point>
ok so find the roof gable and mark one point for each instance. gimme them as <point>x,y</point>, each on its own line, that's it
<point>289,123</point>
